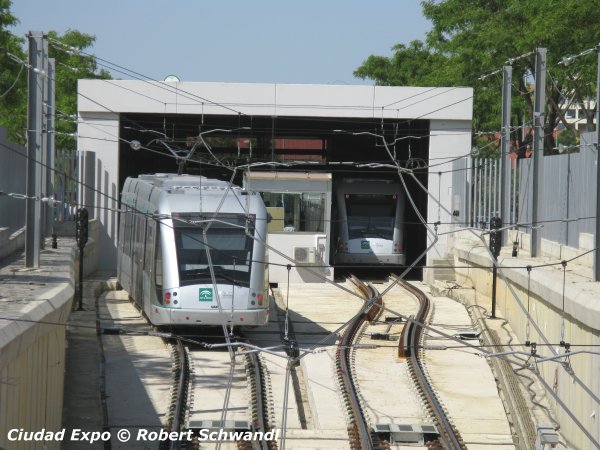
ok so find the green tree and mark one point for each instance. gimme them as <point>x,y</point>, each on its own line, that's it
<point>13,77</point>
<point>409,66</point>
<point>472,38</point>
<point>567,141</point>
<point>71,64</point>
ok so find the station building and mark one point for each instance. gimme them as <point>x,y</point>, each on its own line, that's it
<point>279,139</point>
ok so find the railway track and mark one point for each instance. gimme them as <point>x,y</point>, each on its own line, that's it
<point>358,429</point>
<point>255,391</point>
<point>410,340</point>
<point>179,395</point>
<point>260,399</point>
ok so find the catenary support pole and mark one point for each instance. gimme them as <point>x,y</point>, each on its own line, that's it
<point>50,146</point>
<point>35,95</point>
<point>42,172</point>
<point>504,199</point>
<point>538,145</point>
<point>597,256</point>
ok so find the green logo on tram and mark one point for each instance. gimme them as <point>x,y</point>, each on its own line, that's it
<point>206,294</point>
<point>365,245</point>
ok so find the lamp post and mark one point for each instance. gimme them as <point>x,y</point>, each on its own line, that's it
<point>597,256</point>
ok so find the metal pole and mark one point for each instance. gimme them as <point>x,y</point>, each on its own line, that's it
<point>597,257</point>
<point>495,246</point>
<point>485,192</point>
<point>467,190</point>
<point>503,199</point>
<point>567,212</point>
<point>494,282</point>
<point>477,172</point>
<point>538,145</point>
<point>34,148</point>
<point>80,284</point>
<point>50,137</point>
<point>496,187</point>
<point>513,181</point>
<point>43,175</point>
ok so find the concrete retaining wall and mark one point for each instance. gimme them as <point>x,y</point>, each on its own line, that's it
<point>32,349</point>
<point>574,392</point>
<point>10,241</point>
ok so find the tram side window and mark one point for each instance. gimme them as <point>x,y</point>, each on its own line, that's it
<point>127,236</point>
<point>303,211</point>
<point>135,236</point>
<point>158,263</point>
<point>149,247</point>
<point>121,230</point>
<point>142,240</point>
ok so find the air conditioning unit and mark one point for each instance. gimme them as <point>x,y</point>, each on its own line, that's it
<point>305,255</point>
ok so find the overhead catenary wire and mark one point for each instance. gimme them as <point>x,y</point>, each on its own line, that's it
<point>99,104</point>
<point>521,225</point>
<point>519,302</point>
<point>200,99</point>
<point>16,195</point>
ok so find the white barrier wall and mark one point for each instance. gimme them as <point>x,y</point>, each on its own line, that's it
<point>573,390</point>
<point>32,350</point>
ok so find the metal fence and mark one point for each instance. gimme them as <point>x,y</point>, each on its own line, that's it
<point>476,190</point>
<point>567,193</point>
<point>13,175</point>
<point>65,185</point>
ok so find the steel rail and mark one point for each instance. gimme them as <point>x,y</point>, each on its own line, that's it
<point>358,431</point>
<point>259,408</point>
<point>450,438</point>
<point>180,394</point>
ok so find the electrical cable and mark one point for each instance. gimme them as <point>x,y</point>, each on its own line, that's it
<point>5,93</point>
<point>413,175</point>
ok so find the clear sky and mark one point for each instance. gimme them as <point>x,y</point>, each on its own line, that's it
<point>272,41</point>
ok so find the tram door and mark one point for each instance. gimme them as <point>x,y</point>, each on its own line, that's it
<point>138,258</point>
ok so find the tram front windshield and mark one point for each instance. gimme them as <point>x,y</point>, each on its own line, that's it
<point>371,215</point>
<point>230,253</point>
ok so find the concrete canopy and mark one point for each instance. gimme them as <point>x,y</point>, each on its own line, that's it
<point>102,104</point>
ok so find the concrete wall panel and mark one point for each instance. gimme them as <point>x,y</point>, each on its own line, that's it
<point>577,387</point>
<point>32,353</point>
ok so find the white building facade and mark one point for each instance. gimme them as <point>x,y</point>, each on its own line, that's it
<point>102,103</point>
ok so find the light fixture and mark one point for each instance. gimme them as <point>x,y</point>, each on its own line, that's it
<point>135,145</point>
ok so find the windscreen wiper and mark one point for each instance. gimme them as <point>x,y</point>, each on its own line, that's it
<point>218,271</point>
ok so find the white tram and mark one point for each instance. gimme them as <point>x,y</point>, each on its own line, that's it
<point>191,251</point>
<point>370,222</point>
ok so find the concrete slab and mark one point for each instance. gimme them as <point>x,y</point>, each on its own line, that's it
<point>319,311</point>
<point>138,374</point>
<point>464,380</point>
<point>388,393</point>
<point>527,383</point>
<point>213,381</point>
<point>82,399</point>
